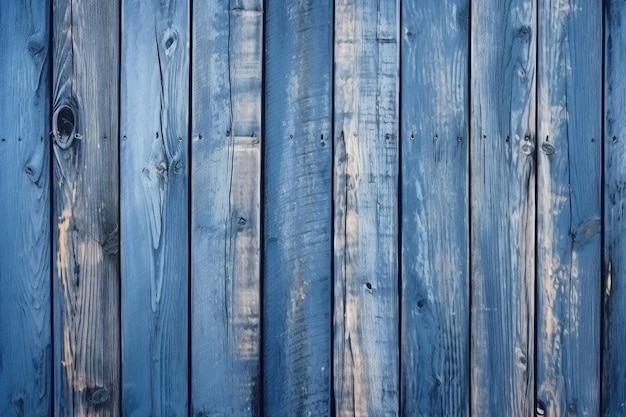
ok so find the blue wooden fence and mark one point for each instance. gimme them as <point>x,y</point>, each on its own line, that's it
<point>312,208</point>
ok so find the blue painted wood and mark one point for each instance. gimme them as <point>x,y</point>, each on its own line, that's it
<point>569,207</point>
<point>298,192</point>
<point>86,208</point>
<point>226,207</point>
<point>614,319</point>
<point>25,339</point>
<point>154,206</point>
<point>502,205</point>
<point>435,218</point>
<point>366,339</point>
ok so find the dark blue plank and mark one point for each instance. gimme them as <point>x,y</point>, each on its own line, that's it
<point>502,181</point>
<point>435,218</point>
<point>154,206</point>
<point>569,162</point>
<point>86,208</point>
<point>614,320</point>
<point>25,344</point>
<point>298,195</point>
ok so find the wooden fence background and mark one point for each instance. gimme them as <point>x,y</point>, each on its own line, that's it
<point>313,208</point>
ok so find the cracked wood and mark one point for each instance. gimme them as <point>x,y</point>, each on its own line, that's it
<point>226,206</point>
<point>366,340</point>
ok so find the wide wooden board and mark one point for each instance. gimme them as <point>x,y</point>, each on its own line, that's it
<point>435,208</point>
<point>365,322</point>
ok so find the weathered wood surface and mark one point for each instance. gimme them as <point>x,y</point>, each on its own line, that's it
<point>569,207</point>
<point>25,343</point>
<point>154,206</point>
<point>226,223</point>
<point>502,182</point>
<point>435,218</point>
<point>366,208</point>
<point>86,208</point>
<point>614,268</point>
<point>298,195</point>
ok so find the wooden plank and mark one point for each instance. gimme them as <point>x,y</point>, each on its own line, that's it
<point>298,209</point>
<point>25,343</point>
<point>226,223</point>
<point>86,208</point>
<point>366,339</point>
<point>613,400</point>
<point>435,220</point>
<point>154,206</point>
<point>569,207</point>
<point>502,178</point>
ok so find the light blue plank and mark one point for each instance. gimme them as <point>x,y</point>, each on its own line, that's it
<point>502,205</point>
<point>569,204</point>
<point>366,339</point>
<point>435,217</point>
<point>298,209</point>
<point>25,344</point>
<point>86,208</point>
<point>154,206</point>
<point>226,207</point>
<point>614,320</point>
<point>569,165</point>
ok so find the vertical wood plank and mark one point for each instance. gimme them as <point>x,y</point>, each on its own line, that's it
<point>502,158</point>
<point>298,209</point>
<point>154,206</point>
<point>86,208</point>
<point>614,363</point>
<point>226,223</point>
<point>366,340</point>
<point>569,205</point>
<point>435,220</point>
<point>25,344</point>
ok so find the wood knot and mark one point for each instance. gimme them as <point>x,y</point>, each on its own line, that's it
<point>99,395</point>
<point>63,126</point>
<point>548,148</point>
<point>527,148</point>
<point>111,243</point>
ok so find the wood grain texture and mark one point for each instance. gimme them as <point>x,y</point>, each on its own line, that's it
<point>614,320</point>
<point>502,178</point>
<point>154,206</point>
<point>226,223</point>
<point>366,339</point>
<point>86,208</point>
<point>435,219</point>
<point>25,338</point>
<point>298,194</point>
<point>569,207</point>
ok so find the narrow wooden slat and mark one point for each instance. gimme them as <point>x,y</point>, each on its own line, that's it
<point>569,207</point>
<point>86,208</point>
<point>502,178</point>
<point>226,223</point>
<point>298,209</point>
<point>25,344</point>
<point>614,364</point>
<point>154,206</point>
<point>435,220</point>
<point>366,208</point>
